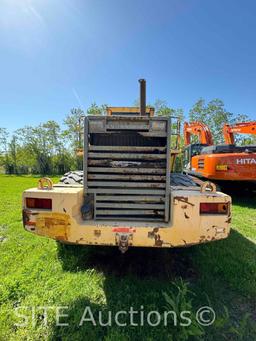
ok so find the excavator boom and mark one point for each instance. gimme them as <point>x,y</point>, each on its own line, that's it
<point>201,130</point>
<point>240,128</point>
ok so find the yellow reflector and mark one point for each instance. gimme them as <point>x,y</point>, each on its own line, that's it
<point>222,167</point>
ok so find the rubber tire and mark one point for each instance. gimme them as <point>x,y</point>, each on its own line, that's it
<point>71,178</point>
<point>178,179</point>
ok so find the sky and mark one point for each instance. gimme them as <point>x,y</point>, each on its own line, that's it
<point>60,54</point>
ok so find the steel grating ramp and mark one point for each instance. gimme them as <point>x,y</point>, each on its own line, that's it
<point>127,167</point>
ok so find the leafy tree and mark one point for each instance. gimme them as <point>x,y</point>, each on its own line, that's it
<point>3,139</point>
<point>13,169</point>
<point>35,144</point>
<point>49,149</point>
<point>74,130</point>
<point>73,135</point>
<point>74,123</point>
<point>215,116</point>
<point>95,109</point>
<point>60,156</point>
<point>43,148</point>
<point>3,147</point>
<point>162,109</point>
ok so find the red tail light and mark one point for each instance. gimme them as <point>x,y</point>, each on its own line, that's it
<point>44,204</point>
<point>214,208</point>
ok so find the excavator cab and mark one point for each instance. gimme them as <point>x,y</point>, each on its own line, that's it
<point>190,151</point>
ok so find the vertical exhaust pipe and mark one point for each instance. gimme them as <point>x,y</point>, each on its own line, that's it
<point>142,97</point>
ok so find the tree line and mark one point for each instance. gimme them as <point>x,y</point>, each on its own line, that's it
<point>50,148</point>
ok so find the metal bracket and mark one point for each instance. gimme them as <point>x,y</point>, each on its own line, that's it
<point>208,187</point>
<point>45,183</point>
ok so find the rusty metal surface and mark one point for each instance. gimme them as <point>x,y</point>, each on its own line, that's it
<point>127,148</point>
<point>45,183</point>
<point>127,212</point>
<point>124,170</point>
<point>141,191</point>
<point>86,145</point>
<point>186,228</point>
<point>126,156</point>
<point>126,199</point>
<point>126,164</point>
<point>152,126</point>
<point>126,177</point>
<point>129,205</point>
<point>55,225</point>
<point>119,184</point>
<point>168,171</point>
<point>132,198</point>
<point>128,111</point>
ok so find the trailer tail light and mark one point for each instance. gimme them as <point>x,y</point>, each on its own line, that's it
<point>214,208</point>
<point>39,203</point>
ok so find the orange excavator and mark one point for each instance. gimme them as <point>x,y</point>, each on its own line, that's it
<point>201,130</point>
<point>241,128</point>
<point>224,164</point>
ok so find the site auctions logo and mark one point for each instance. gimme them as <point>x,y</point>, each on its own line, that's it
<point>205,316</point>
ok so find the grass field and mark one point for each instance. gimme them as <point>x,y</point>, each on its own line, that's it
<point>37,272</point>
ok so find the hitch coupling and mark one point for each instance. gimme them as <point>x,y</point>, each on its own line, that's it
<point>124,236</point>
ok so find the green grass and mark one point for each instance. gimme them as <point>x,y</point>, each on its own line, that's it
<point>36,271</point>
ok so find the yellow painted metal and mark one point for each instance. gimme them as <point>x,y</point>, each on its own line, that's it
<point>134,110</point>
<point>186,227</point>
